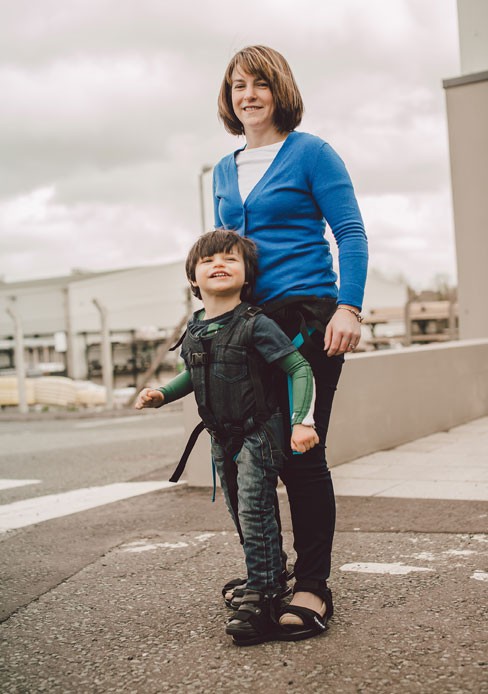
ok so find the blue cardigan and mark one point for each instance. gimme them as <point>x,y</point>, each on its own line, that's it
<point>285,214</point>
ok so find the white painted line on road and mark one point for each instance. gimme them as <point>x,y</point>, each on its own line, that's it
<point>480,575</point>
<point>43,508</point>
<point>143,546</point>
<point>204,536</point>
<point>425,556</point>
<point>377,568</point>
<point>149,545</point>
<point>10,484</point>
<point>92,423</point>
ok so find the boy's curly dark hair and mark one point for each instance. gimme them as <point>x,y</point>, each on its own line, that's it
<point>224,241</point>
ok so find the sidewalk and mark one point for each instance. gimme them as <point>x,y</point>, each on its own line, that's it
<point>446,465</point>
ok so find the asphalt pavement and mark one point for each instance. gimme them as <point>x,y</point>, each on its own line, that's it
<point>125,594</point>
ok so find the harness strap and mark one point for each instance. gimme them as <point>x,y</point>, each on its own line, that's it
<point>230,471</point>
<point>177,344</point>
<point>261,406</point>
<point>304,313</point>
<point>186,453</point>
<point>214,481</point>
<point>231,451</point>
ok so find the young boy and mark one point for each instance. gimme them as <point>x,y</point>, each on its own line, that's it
<point>231,350</point>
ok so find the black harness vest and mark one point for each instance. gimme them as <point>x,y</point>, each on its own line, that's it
<point>232,383</point>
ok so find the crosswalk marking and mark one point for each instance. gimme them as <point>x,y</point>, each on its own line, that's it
<point>10,484</point>
<point>39,509</point>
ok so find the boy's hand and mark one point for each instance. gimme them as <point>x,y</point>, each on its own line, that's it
<point>303,438</point>
<point>148,397</point>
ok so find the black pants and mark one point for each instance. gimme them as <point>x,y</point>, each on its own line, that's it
<point>308,481</point>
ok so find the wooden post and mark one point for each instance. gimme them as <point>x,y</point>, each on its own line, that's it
<point>107,368</point>
<point>19,361</point>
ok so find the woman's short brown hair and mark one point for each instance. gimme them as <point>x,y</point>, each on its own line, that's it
<point>272,67</point>
<point>224,241</point>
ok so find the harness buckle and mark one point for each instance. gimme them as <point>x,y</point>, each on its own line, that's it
<point>236,430</point>
<point>252,311</point>
<point>199,359</point>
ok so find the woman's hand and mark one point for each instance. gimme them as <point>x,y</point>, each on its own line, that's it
<point>303,438</point>
<point>148,397</point>
<point>343,333</point>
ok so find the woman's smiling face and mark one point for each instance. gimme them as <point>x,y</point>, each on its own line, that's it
<point>252,101</point>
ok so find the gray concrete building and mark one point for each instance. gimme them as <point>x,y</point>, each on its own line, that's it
<point>61,324</point>
<point>467,114</point>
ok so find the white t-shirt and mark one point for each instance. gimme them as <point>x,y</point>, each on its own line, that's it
<point>252,164</point>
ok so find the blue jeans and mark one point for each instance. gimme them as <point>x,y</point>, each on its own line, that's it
<point>259,463</point>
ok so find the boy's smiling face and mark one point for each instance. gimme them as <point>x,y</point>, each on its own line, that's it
<point>221,274</point>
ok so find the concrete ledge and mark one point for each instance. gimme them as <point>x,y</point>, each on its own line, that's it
<point>388,398</point>
<point>465,79</point>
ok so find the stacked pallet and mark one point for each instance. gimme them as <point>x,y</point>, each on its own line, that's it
<point>55,390</point>
<point>52,390</point>
<point>89,394</point>
<point>9,393</point>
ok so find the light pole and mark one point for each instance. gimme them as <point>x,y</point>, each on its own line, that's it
<point>205,169</point>
<point>106,349</point>
<point>19,359</point>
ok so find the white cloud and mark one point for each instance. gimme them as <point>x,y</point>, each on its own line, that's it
<point>411,235</point>
<point>109,112</point>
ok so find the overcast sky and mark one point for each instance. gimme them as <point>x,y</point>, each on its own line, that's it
<point>108,113</point>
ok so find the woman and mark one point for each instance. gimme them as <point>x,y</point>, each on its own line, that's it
<point>281,189</point>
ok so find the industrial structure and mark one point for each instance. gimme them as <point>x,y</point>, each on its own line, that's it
<point>61,324</point>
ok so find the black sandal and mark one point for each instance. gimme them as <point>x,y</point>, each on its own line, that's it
<point>237,586</point>
<point>313,622</point>
<point>256,620</point>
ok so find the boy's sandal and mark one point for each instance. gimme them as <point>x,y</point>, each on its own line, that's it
<point>234,590</point>
<point>256,620</point>
<point>230,588</point>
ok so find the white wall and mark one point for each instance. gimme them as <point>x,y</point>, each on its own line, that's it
<point>40,308</point>
<point>136,298</point>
